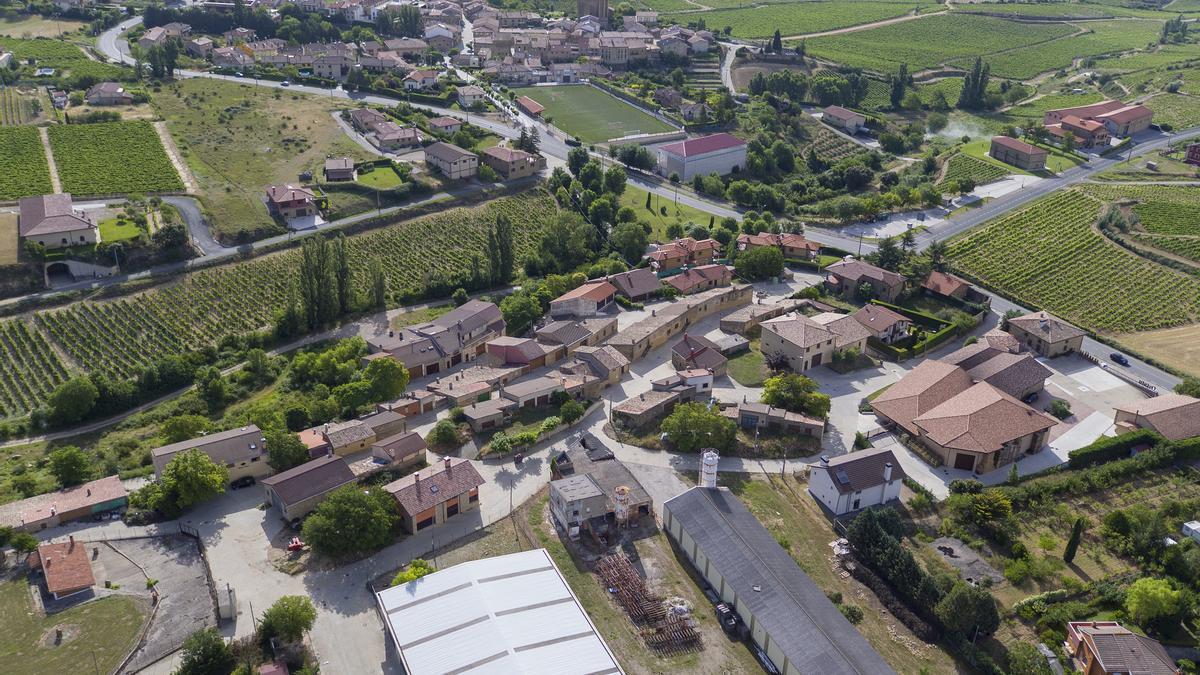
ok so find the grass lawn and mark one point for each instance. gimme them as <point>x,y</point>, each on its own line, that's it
<point>489,141</point>
<point>8,239</point>
<point>783,506</point>
<point>1057,161</point>
<point>382,177</point>
<point>238,139</point>
<point>116,229</point>
<point>102,629</point>
<point>749,369</point>
<point>36,26</point>
<point>591,114</point>
<point>416,316</point>
<point>686,216</point>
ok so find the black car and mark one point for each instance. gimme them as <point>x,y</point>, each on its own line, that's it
<point>1031,397</point>
<point>244,481</point>
<point>1119,359</point>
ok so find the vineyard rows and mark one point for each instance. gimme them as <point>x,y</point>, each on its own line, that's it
<point>962,166</point>
<point>121,337</point>
<point>62,56</point>
<point>31,368</point>
<point>24,170</point>
<point>1048,255</point>
<point>112,157</point>
<point>1186,247</point>
<point>14,108</point>
<point>1161,209</point>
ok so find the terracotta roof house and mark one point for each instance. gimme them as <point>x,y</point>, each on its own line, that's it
<point>856,481</point>
<point>52,221</point>
<point>445,125</point>
<point>429,496</point>
<point>697,351</point>
<point>793,246</point>
<point>973,354</point>
<point>451,160</point>
<point>923,388</point>
<point>946,285</point>
<point>1108,648</point>
<point>636,284</point>
<point>530,106</point>
<point>982,429</point>
<point>400,450</point>
<point>848,333</point>
<point>1046,334</point>
<point>108,93</point>
<point>1001,340</point>
<point>509,350</point>
<point>1017,375</point>
<point>886,325</point>
<point>586,300</point>
<point>511,163</point>
<point>718,153</point>
<point>802,342</point>
<point>841,118</point>
<point>62,506</point>
<point>420,79</point>
<point>65,568</point>
<point>685,251</point>
<point>450,339</point>
<point>297,491</point>
<point>1126,121</point>
<point>242,451</point>
<point>847,276</point>
<point>470,95</point>
<point>1018,153</point>
<point>1175,416</point>
<point>289,201</point>
<point>702,278</point>
<point>340,169</point>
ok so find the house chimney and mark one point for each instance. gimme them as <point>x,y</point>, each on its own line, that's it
<point>391,333</point>
<point>417,482</point>
<point>446,463</point>
<point>71,539</point>
<point>887,471</point>
<point>89,492</point>
<point>824,460</point>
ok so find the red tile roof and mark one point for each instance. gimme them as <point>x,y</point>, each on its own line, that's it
<point>942,283</point>
<point>703,145</point>
<point>531,106</point>
<point>1018,146</point>
<point>66,567</point>
<point>597,291</point>
<point>1127,114</point>
<point>444,122</point>
<point>429,487</point>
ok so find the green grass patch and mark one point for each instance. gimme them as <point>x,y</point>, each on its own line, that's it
<point>663,212</point>
<point>1057,161</point>
<point>592,115</point>
<point>112,158</point>
<point>116,229</point>
<point>62,56</point>
<point>749,369</point>
<point>380,177</point>
<point>762,21</point>
<point>103,631</point>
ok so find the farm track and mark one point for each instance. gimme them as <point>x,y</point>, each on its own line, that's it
<point>864,26</point>
<point>44,134</point>
<point>181,167</point>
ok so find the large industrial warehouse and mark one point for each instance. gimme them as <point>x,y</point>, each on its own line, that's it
<point>789,617</point>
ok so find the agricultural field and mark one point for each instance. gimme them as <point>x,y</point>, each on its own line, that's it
<point>32,369</point>
<point>592,115</point>
<point>238,139</point>
<point>1103,37</point>
<point>793,19</point>
<point>662,212</point>
<point>24,169</point>
<point>1161,209</point>
<point>1164,55</point>
<point>62,56</point>
<point>28,26</point>
<point>16,108</point>
<point>112,158</point>
<point>931,41</point>
<point>1048,255</point>
<point>962,166</point>
<point>1178,110</point>
<point>1036,109</point>
<point>1061,10</point>
<point>120,337</point>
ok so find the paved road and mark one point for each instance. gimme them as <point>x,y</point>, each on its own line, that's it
<point>202,239</point>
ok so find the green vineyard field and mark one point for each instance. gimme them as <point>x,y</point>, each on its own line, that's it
<point>111,158</point>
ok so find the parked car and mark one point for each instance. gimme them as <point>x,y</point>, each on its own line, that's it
<point>1119,359</point>
<point>244,481</point>
<point>731,623</point>
<point>285,83</point>
<point>1030,398</point>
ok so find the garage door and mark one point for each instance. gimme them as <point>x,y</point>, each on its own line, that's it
<point>964,461</point>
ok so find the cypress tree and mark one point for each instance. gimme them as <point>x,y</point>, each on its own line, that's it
<point>1073,542</point>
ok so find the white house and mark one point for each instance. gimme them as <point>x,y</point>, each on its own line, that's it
<point>718,153</point>
<point>856,481</point>
<point>419,80</point>
<point>1192,529</point>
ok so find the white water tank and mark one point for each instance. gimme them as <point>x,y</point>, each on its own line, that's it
<point>622,504</point>
<point>708,468</point>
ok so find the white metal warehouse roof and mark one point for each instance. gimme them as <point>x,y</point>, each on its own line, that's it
<point>509,614</point>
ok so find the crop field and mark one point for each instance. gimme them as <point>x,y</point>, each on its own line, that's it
<point>1184,247</point>
<point>238,139</point>
<point>36,26</point>
<point>1063,10</point>
<point>1037,108</point>
<point>1165,55</point>
<point>1177,110</point>
<point>32,369</point>
<point>15,109</point>
<point>1048,255</point>
<point>962,166</point>
<point>1162,209</point>
<point>591,114</point>
<point>794,18</point>
<point>24,170</point>
<point>831,146</point>
<point>120,337</point>
<point>61,55</point>
<point>112,158</point>
<point>931,41</point>
<point>1105,37</point>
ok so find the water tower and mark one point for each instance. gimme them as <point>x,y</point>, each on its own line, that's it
<point>708,468</point>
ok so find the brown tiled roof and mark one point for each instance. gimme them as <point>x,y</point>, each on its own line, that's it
<point>1017,146</point>
<point>920,390</point>
<point>698,275</point>
<point>606,357</point>
<point>289,193</point>
<point>863,470</point>
<point>1049,327</point>
<point>972,355</point>
<point>488,408</point>
<point>563,332</point>
<point>446,152</point>
<point>90,494</point>
<point>1090,110</point>
<point>999,339</point>
<point>1175,416</point>
<point>857,269</point>
<point>597,291</point>
<point>636,282</point>
<point>50,214</point>
<point>1119,650</point>
<point>942,283</point>
<point>1012,374</point>
<point>402,445</point>
<point>879,318</point>
<point>438,122</point>
<point>346,433</point>
<point>845,328</point>
<point>798,329</point>
<point>636,405</point>
<point>434,485</point>
<point>981,419</point>
<point>310,479</point>
<point>66,567</point>
<point>234,445</point>
<point>336,163</point>
<point>1127,114</point>
<point>840,113</point>
<point>698,351</point>
<point>507,154</point>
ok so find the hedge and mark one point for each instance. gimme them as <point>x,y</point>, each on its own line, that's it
<point>1108,448</point>
<point>919,317</point>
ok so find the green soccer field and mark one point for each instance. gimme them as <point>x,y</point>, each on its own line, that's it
<point>591,114</point>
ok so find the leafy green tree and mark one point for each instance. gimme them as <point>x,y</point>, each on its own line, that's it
<point>289,618</point>
<point>520,312</point>
<point>184,427</point>
<point>1025,659</point>
<point>630,240</point>
<point>416,569</point>
<point>351,521</point>
<point>212,387</point>
<point>72,400</point>
<point>1073,542</point>
<point>796,393</point>
<point>70,466</point>
<point>968,609</point>
<point>387,379</point>
<point>576,159</point>
<point>285,450</point>
<point>443,434</point>
<point>504,244</point>
<point>692,427</point>
<point>763,262</point>
<point>614,180</point>
<point>570,411</point>
<point>1189,386</point>
<point>353,395</point>
<point>408,22</point>
<point>192,477</point>
<point>205,653</point>
<point>25,485</point>
<point>1150,600</point>
<point>24,542</point>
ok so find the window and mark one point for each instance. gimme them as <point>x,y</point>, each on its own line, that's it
<point>474,497</point>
